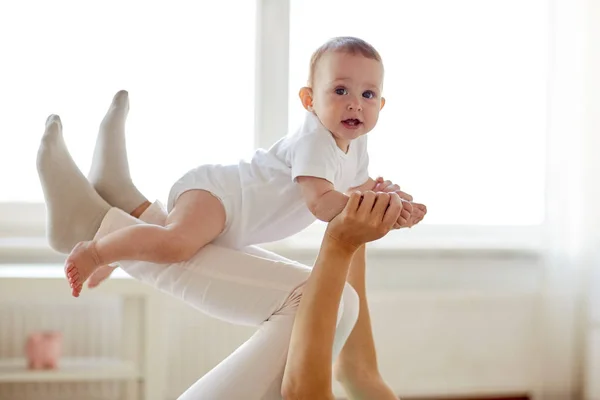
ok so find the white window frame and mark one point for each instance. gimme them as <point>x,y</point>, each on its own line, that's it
<point>22,225</point>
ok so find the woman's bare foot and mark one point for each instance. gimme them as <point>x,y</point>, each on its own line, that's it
<point>100,274</point>
<point>81,263</point>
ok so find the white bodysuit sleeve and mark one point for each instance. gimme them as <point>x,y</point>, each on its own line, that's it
<point>315,155</point>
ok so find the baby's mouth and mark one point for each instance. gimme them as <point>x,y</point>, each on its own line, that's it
<point>352,123</point>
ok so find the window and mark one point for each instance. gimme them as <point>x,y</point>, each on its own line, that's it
<point>464,125</point>
<point>189,69</point>
<point>463,129</point>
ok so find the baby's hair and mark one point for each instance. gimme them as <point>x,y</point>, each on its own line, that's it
<point>345,44</point>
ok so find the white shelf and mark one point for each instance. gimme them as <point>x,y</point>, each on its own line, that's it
<point>69,370</point>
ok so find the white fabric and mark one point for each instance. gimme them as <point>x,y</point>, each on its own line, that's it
<point>262,201</point>
<point>249,287</point>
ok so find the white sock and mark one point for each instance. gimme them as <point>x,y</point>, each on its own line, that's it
<point>109,172</point>
<point>74,209</point>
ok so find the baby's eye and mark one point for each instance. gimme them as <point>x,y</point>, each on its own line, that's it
<point>369,94</point>
<point>341,91</point>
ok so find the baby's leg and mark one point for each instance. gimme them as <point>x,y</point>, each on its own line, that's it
<point>255,288</point>
<point>255,370</point>
<point>197,219</point>
<point>104,271</point>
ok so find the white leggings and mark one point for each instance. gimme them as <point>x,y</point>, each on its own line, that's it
<point>247,287</point>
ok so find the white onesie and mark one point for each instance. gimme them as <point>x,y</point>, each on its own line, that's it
<point>263,202</point>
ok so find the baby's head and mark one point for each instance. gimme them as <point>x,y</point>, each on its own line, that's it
<point>344,87</point>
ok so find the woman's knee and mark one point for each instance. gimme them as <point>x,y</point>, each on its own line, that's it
<point>347,311</point>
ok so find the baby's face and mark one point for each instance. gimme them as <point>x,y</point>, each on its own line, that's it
<point>347,95</point>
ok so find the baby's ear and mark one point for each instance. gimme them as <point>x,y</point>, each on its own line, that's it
<point>306,98</point>
<point>382,103</point>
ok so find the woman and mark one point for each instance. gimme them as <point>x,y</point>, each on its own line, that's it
<point>249,286</point>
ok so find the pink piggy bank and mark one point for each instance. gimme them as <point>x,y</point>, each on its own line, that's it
<point>43,350</point>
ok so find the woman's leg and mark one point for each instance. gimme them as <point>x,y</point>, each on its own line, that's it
<point>74,208</point>
<point>75,211</point>
<point>109,171</point>
<point>266,351</point>
<point>254,288</point>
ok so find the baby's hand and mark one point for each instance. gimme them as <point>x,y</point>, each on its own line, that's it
<point>419,212</point>
<point>405,215</point>
<point>382,185</point>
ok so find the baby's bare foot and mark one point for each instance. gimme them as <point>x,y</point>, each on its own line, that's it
<point>80,264</point>
<point>99,275</point>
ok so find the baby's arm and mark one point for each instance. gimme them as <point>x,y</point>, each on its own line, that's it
<point>321,197</point>
<point>368,185</point>
<point>325,202</point>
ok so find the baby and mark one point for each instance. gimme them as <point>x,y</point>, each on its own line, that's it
<point>303,177</point>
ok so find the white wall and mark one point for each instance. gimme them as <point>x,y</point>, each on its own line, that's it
<point>591,379</point>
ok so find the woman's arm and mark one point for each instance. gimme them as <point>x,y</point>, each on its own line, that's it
<point>321,198</point>
<point>308,369</point>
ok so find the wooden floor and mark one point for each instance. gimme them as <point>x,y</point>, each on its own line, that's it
<point>471,398</point>
<point>524,397</point>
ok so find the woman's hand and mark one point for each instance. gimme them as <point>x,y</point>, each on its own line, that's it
<point>365,218</point>
<point>417,210</point>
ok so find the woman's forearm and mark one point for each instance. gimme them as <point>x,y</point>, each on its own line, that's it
<point>360,345</point>
<point>310,356</point>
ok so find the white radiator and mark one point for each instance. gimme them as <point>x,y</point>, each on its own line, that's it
<point>90,329</point>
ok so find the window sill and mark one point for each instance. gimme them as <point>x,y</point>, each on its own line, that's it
<point>421,241</point>
<point>28,250</point>
<point>432,241</point>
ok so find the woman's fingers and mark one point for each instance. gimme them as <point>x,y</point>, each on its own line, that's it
<point>366,205</point>
<point>393,211</point>
<point>382,201</point>
<point>353,203</point>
